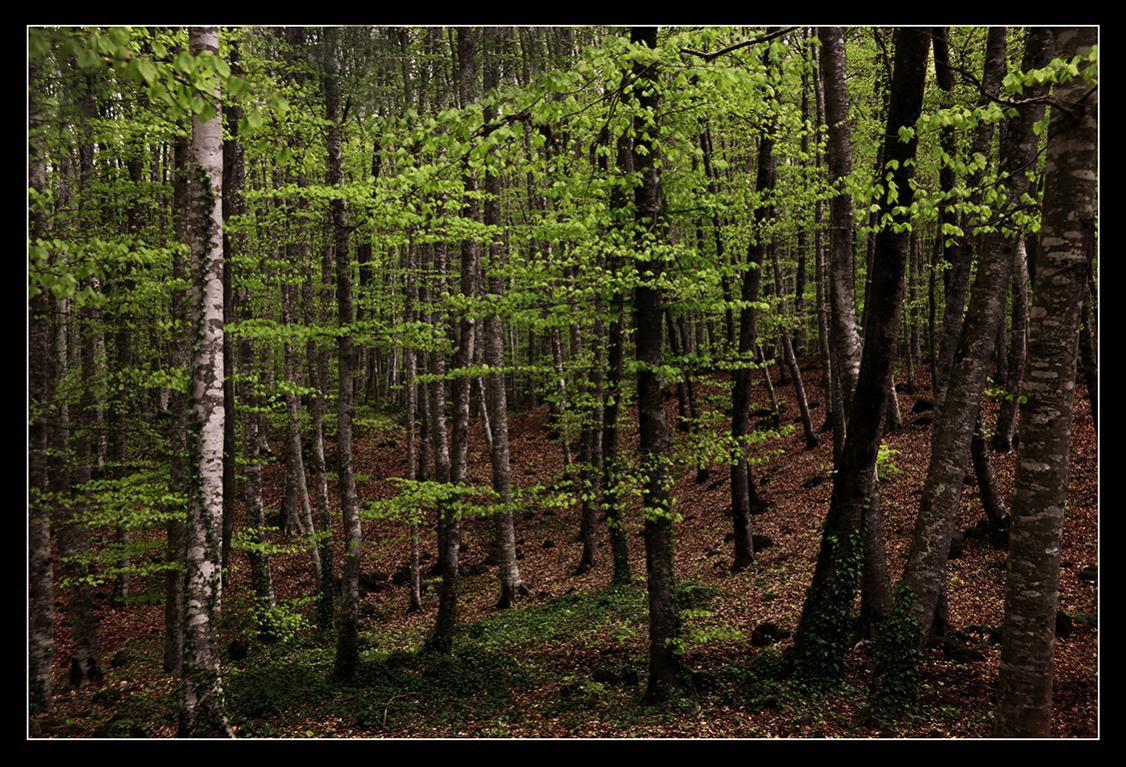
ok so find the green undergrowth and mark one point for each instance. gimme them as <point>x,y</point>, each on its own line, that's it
<point>617,614</point>
<point>392,692</point>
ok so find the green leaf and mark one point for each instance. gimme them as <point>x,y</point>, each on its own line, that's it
<point>184,62</point>
<point>236,86</point>
<point>147,70</point>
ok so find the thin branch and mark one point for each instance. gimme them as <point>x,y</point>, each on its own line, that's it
<point>737,46</point>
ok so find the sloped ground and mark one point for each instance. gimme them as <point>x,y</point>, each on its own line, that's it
<point>570,660</point>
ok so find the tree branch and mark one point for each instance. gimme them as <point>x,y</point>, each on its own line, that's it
<point>737,46</point>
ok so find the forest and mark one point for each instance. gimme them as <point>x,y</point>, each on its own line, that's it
<point>562,382</point>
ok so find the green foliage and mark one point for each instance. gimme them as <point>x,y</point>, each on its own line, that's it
<point>284,622</point>
<point>995,392</point>
<point>885,462</point>
<point>898,655</point>
<point>564,621</point>
<point>822,641</point>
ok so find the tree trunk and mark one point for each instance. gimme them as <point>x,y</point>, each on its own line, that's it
<point>744,495</point>
<point>842,332</point>
<point>811,440</point>
<point>40,588</point>
<point>612,401</point>
<point>1024,681</point>
<point>959,282</point>
<point>665,673</point>
<point>72,532</point>
<point>511,584</point>
<point>201,691</point>
<point>449,537</point>
<point>318,365</point>
<point>347,647</point>
<point>178,440</point>
<point>410,311</point>
<point>945,239</point>
<point>823,634</point>
<point>830,405</point>
<point>991,500</point>
<point>1018,351</point>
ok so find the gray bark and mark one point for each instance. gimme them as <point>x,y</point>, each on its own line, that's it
<point>1024,680</point>
<point>201,691</point>
<point>959,280</point>
<point>824,631</point>
<point>1018,351</point>
<point>665,671</point>
<point>511,584</point>
<point>347,647</point>
<point>843,333</point>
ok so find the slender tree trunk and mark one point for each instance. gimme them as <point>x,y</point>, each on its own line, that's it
<point>1018,351</point>
<point>823,633</point>
<point>230,446</point>
<point>717,233</point>
<point>991,498</point>
<point>449,538</point>
<point>811,440</point>
<point>665,671</point>
<point>201,690</point>
<point>592,468</point>
<point>959,282</point>
<point>178,441</point>
<point>234,178</point>
<point>945,239</point>
<point>318,363</point>
<point>875,584</point>
<point>611,459</point>
<point>511,584</point>
<point>410,312</point>
<point>470,266</point>
<point>347,645</point>
<point>843,333</point>
<point>41,385</point>
<point>72,532</point>
<point>744,495</point>
<point>1024,680</point>
<point>828,377</point>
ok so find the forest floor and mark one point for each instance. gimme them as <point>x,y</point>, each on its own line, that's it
<point>570,659</point>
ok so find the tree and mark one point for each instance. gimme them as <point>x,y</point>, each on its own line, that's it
<point>665,674</point>
<point>822,637</point>
<point>845,341</point>
<point>511,585</point>
<point>201,696</point>
<point>1024,680</point>
<point>347,647</point>
<point>41,595</point>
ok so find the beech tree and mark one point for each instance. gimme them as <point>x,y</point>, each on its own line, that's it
<point>822,636</point>
<point>1024,680</point>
